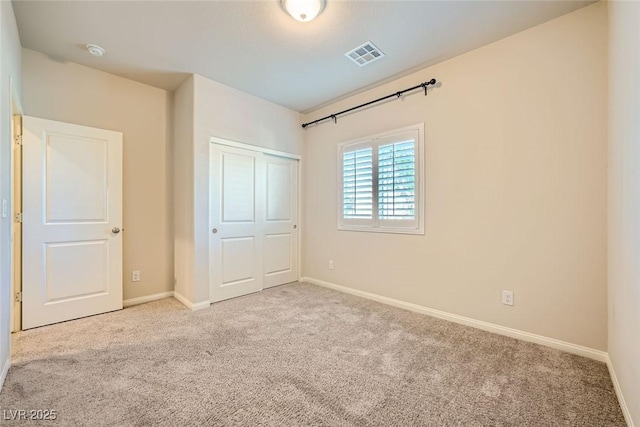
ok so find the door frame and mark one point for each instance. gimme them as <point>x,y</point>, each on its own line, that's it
<point>256,148</point>
<point>16,193</point>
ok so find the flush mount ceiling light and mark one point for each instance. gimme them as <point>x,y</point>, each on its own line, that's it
<point>303,10</point>
<point>95,50</point>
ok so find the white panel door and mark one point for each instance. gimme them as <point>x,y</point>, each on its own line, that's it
<point>72,217</point>
<point>235,206</point>
<point>281,221</point>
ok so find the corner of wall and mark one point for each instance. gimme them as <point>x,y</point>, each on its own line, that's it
<point>10,86</point>
<point>619,393</point>
<point>623,205</point>
<point>183,119</point>
<point>170,203</point>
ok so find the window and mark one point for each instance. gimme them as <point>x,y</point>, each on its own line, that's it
<point>380,182</point>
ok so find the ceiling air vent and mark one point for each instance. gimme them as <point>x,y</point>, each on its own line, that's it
<point>364,54</point>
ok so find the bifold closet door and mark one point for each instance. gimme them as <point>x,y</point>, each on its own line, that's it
<point>253,219</point>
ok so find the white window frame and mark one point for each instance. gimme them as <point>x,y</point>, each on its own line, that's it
<point>390,225</point>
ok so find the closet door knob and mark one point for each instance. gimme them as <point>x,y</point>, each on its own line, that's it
<point>115,230</point>
<point>214,231</point>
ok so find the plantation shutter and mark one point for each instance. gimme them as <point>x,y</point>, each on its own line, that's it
<point>396,180</point>
<point>380,181</point>
<point>357,184</point>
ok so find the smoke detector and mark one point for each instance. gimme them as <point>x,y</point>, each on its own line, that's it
<point>95,50</point>
<point>364,54</point>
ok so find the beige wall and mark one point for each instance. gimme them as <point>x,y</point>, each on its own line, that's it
<point>10,85</point>
<point>73,93</point>
<point>516,185</point>
<point>183,187</point>
<point>624,200</point>
<point>227,113</point>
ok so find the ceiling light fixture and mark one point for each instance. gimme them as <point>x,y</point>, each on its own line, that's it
<point>95,50</point>
<point>303,10</point>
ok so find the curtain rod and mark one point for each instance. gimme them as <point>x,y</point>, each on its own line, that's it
<point>334,116</point>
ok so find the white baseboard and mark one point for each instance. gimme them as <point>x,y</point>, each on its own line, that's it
<point>616,386</point>
<point>485,326</point>
<point>191,305</point>
<point>5,371</point>
<point>148,298</point>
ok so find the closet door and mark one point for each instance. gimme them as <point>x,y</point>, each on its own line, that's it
<point>237,206</point>
<point>281,221</point>
<point>253,220</point>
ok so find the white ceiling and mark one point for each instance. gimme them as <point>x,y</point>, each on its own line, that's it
<point>257,48</point>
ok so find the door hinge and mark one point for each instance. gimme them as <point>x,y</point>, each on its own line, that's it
<point>18,140</point>
<point>19,217</point>
<point>18,296</point>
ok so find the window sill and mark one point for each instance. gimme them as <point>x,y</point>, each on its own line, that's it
<point>387,230</point>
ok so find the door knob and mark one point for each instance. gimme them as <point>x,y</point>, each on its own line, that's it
<point>115,230</point>
<point>214,231</point>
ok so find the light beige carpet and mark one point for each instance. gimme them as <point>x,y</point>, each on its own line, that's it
<point>298,355</point>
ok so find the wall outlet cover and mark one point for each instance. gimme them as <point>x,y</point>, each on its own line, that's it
<point>507,297</point>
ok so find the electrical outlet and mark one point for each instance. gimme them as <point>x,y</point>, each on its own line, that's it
<point>507,297</point>
<point>330,264</point>
<point>135,276</point>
